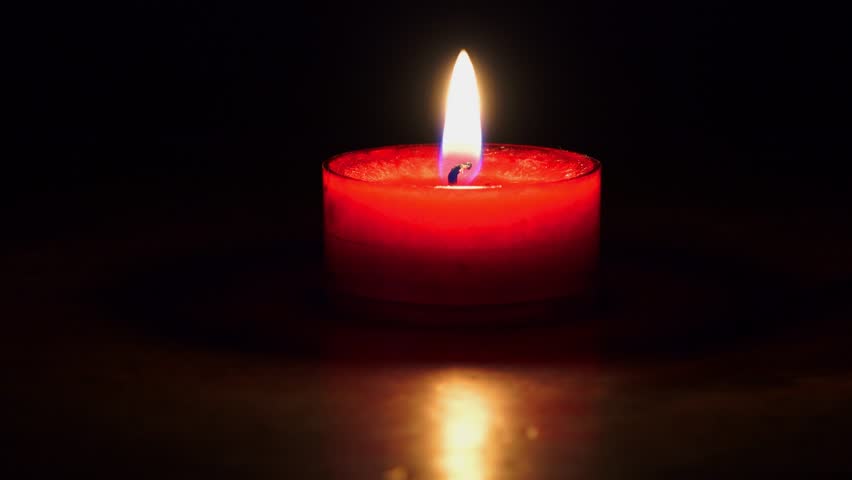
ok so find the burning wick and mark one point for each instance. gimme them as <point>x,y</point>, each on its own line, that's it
<point>453,177</point>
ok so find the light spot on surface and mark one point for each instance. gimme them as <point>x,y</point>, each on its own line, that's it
<point>532,432</point>
<point>396,473</point>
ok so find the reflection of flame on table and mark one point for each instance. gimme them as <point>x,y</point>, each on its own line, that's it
<point>465,418</point>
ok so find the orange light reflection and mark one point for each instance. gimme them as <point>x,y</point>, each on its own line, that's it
<point>466,419</point>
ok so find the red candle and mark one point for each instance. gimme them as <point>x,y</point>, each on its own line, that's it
<point>462,225</point>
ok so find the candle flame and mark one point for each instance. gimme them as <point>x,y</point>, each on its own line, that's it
<point>462,142</point>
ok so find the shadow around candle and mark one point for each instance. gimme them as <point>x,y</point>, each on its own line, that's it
<point>659,302</point>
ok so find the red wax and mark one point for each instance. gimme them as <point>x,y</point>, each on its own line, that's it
<point>525,229</point>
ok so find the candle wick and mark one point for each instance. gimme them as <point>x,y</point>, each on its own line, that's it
<point>453,177</point>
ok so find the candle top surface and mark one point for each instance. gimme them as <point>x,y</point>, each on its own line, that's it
<point>502,165</point>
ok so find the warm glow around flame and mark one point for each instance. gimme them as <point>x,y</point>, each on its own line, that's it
<point>462,140</point>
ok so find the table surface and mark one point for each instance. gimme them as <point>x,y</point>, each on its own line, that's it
<point>158,352</point>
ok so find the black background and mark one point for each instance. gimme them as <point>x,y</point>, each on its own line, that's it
<point>183,110</point>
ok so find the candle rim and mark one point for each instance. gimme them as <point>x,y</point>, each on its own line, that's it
<point>596,167</point>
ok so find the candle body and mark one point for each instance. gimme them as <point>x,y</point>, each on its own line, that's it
<point>526,229</point>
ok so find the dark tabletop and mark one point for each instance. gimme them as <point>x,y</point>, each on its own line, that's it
<point>188,349</point>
